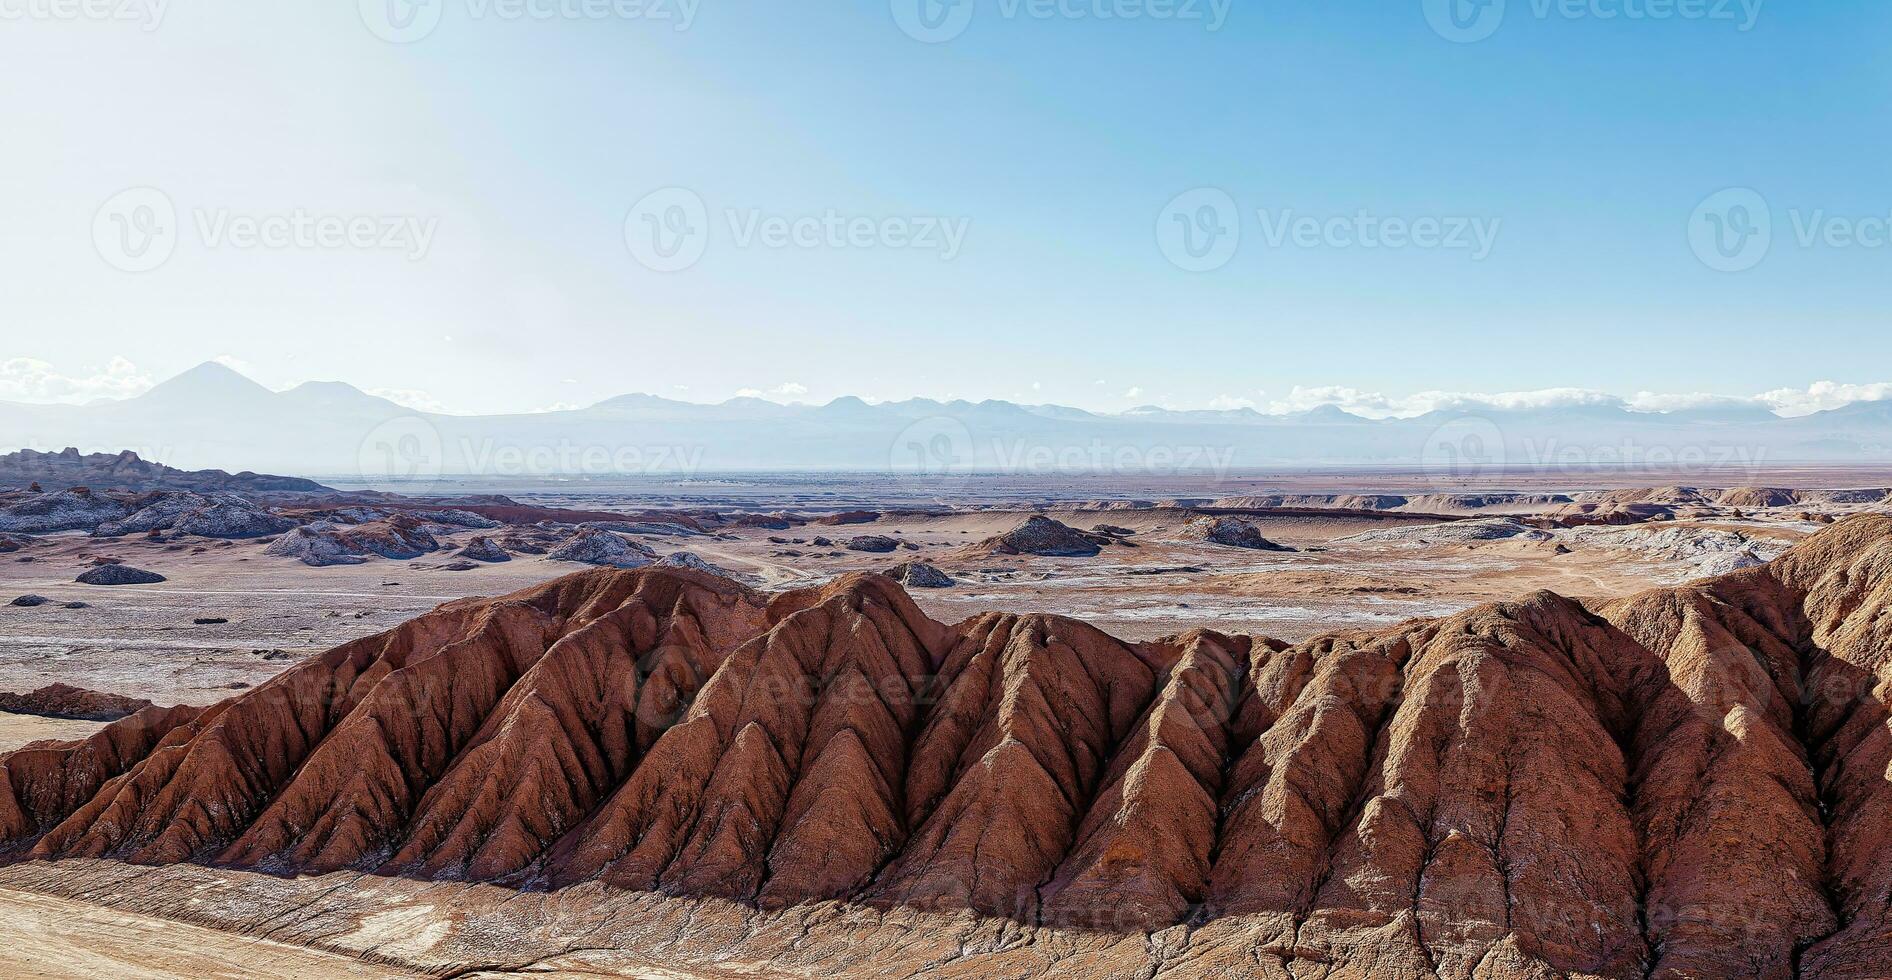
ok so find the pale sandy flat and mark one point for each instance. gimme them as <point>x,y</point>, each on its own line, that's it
<point>58,939</point>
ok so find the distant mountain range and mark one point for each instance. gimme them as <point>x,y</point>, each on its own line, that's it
<point>212,416</point>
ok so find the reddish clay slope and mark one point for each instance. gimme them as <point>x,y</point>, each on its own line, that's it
<point>1690,782</point>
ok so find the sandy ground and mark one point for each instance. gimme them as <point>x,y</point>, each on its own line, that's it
<point>18,730</point>
<point>60,939</point>
<point>144,642</point>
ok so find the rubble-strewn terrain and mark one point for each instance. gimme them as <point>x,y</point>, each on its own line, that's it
<point>1689,781</point>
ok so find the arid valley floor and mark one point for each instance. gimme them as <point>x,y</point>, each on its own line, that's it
<point>302,826</point>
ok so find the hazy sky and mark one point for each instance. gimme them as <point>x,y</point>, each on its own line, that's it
<point>1036,207</point>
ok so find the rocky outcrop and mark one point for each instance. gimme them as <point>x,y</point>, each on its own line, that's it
<point>77,509</point>
<point>1232,532</point>
<point>65,701</point>
<point>1456,532</point>
<point>326,543</point>
<point>919,575</point>
<point>591,546</point>
<point>220,516</point>
<point>116,574</point>
<point>1040,535</point>
<point>484,549</point>
<point>126,471</point>
<point>1690,782</point>
<point>873,544</point>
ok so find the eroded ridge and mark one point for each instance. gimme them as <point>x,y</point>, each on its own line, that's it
<point>1688,782</point>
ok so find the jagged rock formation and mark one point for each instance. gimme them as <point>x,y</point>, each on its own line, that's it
<point>876,544</point>
<point>126,471</point>
<point>1691,782</point>
<point>1231,532</point>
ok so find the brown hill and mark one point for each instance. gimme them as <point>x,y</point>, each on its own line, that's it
<point>1685,783</point>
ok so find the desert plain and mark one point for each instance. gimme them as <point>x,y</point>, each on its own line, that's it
<point>1165,655</point>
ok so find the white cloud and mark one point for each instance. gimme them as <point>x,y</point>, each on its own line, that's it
<point>1224,403</point>
<point>556,407</point>
<point>1376,405</point>
<point>1133,393</point>
<point>785,390</point>
<point>27,379</point>
<point>1822,396</point>
<point>413,398</point>
<point>236,364</point>
<point>1786,402</point>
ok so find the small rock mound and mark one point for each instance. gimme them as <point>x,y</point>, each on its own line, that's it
<point>847,517</point>
<point>1232,532</point>
<point>485,549</point>
<point>119,575</point>
<point>1457,532</point>
<point>877,544</point>
<point>591,546</point>
<point>919,575</point>
<point>1040,535</point>
<point>10,544</point>
<point>28,601</point>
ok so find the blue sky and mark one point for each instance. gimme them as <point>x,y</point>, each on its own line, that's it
<point>1052,138</point>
